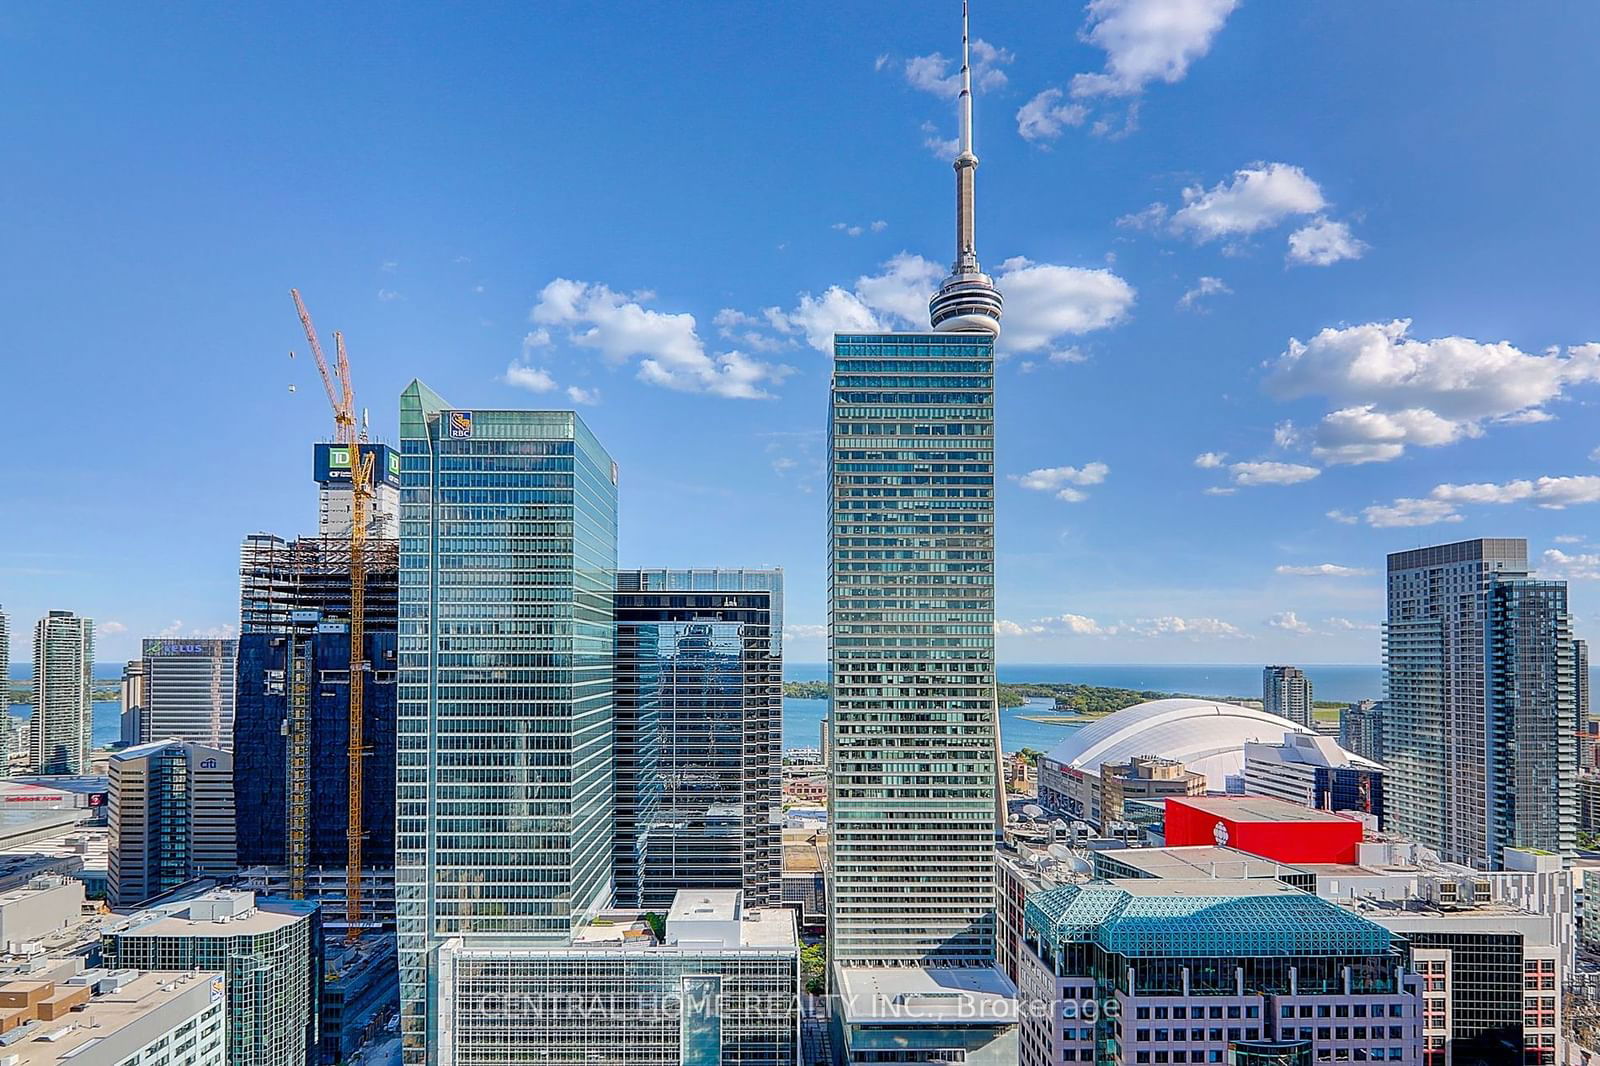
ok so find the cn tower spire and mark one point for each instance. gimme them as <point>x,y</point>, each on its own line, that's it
<point>967,302</point>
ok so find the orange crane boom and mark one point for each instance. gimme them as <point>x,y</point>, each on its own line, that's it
<point>343,403</point>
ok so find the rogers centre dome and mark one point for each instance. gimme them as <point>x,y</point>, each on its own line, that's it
<point>1206,736</point>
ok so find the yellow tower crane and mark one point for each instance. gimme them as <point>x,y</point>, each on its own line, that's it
<point>361,474</point>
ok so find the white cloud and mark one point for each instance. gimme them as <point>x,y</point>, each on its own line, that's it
<point>1255,198</point>
<point>1210,460</point>
<point>1366,435</point>
<point>1393,390</point>
<point>1285,434</point>
<point>1006,628</point>
<point>1567,538</point>
<point>533,340</point>
<point>1219,490</point>
<point>1580,567</point>
<point>1061,479</point>
<point>1148,40</point>
<point>532,378</point>
<point>1324,242</point>
<point>1044,304</point>
<point>848,230</point>
<point>1206,286</point>
<point>804,631</point>
<point>1350,625</point>
<point>1172,625</point>
<point>1343,518</point>
<point>946,148</point>
<point>388,296</point>
<point>1289,622</point>
<point>670,351</point>
<point>110,628</point>
<point>1069,355</point>
<point>878,226</point>
<point>1551,493</point>
<point>583,396</point>
<point>1153,217</point>
<point>1324,570</point>
<point>1406,512</point>
<point>177,628</point>
<point>1270,473</point>
<point>1045,117</point>
<point>942,77</point>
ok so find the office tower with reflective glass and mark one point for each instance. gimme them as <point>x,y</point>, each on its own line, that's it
<point>1480,714</point>
<point>914,733</point>
<point>699,735</point>
<point>508,551</point>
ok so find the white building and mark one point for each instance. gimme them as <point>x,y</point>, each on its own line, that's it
<point>172,819</point>
<point>1313,771</point>
<point>45,905</point>
<point>105,1018</point>
<point>188,689</point>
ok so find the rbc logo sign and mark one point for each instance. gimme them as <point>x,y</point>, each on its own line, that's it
<point>460,424</point>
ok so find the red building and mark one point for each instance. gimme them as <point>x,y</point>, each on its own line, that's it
<point>1271,828</point>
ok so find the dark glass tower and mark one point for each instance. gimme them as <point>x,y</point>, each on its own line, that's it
<point>699,691</point>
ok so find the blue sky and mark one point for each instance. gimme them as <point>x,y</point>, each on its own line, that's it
<point>1289,286</point>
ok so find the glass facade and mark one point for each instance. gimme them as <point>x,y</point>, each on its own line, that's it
<point>699,695</point>
<point>508,542</point>
<point>1480,715</point>
<point>913,730</point>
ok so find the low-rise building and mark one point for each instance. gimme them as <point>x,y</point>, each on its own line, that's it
<point>1265,826</point>
<point>1209,971</point>
<point>270,951</point>
<point>805,875</point>
<point>103,1018</point>
<point>47,905</point>
<point>360,992</point>
<point>722,987</point>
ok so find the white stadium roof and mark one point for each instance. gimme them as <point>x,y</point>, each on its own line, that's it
<point>1207,736</point>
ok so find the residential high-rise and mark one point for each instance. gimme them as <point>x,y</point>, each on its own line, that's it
<point>5,652</point>
<point>133,697</point>
<point>699,734</point>
<point>914,744</point>
<point>508,547</point>
<point>1286,692</point>
<point>188,691</point>
<point>172,819</point>
<point>269,950</point>
<point>1361,729</point>
<point>1480,712</point>
<point>1580,677</point>
<point>60,734</point>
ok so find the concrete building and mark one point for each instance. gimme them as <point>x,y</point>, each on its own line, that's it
<point>172,819</point>
<point>1209,970</point>
<point>723,987</point>
<point>188,691</point>
<point>805,876</point>
<point>104,1018</point>
<point>1315,772</point>
<point>48,904</point>
<point>5,651</point>
<point>269,951</point>
<point>1286,692</point>
<point>1480,712</point>
<point>1580,677</point>
<point>1142,778</point>
<point>1589,801</point>
<point>507,632</point>
<point>1491,980</point>
<point>133,701</point>
<point>699,734</point>
<point>1361,729</point>
<point>60,732</point>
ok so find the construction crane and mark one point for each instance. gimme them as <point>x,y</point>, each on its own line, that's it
<point>345,432</point>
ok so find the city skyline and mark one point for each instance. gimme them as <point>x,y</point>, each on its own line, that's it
<point>1450,237</point>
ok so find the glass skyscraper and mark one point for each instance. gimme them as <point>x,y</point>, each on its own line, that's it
<point>911,603</point>
<point>1480,713</point>
<point>508,550</point>
<point>699,734</point>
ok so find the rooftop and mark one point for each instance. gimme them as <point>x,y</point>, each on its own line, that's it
<point>1194,862</point>
<point>215,914</point>
<point>101,1019</point>
<point>931,995</point>
<point>706,905</point>
<point>1222,918</point>
<point>1257,809</point>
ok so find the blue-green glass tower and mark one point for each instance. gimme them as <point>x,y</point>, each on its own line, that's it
<point>508,553</point>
